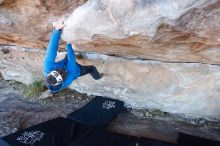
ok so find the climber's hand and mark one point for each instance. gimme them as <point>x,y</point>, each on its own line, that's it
<point>59,24</point>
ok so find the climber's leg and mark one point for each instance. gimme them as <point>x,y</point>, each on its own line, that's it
<point>90,69</point>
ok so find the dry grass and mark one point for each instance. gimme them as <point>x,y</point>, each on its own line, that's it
<point>34,89</point>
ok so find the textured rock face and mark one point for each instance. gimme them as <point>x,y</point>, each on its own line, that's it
<point>191,89</point>
<point>21,64</point>
<point>171,30</point>
<point>27,23</point>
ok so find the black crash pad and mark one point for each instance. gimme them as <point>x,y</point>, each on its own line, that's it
<point>98,113</point>
<point>56,132</point>
<point>101,137</point>
<point>190,140</point>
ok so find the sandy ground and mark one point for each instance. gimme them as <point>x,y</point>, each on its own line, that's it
<point>18,112</point>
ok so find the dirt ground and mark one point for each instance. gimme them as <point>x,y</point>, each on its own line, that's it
<point>18,112</point>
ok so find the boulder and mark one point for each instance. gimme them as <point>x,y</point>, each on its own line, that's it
<point>171,30</point>
<point>154,54</point>
<point>188,89</point>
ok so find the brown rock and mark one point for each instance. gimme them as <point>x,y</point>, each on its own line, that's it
<point>28,23</point>
<point>174,31</point>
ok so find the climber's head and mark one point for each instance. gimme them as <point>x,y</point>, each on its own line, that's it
<point>56,77</point>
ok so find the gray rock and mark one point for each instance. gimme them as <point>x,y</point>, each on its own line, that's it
<point>142,84</point>
<point>46,94</point>
<point>201,121</point>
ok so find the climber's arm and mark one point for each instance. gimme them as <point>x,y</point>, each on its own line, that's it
<point>51,51</point>
<point>72,68</point>
<point>69,79</point>
<point>71,65</point>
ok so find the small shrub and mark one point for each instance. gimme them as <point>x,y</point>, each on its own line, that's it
<point>35,88</point>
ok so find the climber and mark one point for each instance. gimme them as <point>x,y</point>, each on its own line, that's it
<point>59,75</point>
